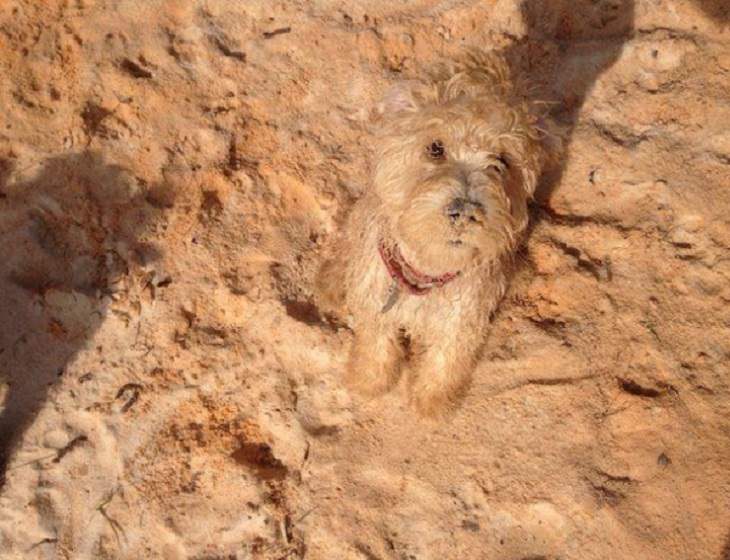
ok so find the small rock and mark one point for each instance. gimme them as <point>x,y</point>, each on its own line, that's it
<point>55,439</point>
<point>323,409</point>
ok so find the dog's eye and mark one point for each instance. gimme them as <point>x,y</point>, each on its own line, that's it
<point>500,165</point>
<point>436,150</point>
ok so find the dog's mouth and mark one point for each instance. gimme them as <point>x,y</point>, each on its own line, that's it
<point>414,281</point>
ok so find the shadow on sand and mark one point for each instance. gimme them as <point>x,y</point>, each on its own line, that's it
<point>568,45</point>
<point>718,10</point>
<point>67,238</point>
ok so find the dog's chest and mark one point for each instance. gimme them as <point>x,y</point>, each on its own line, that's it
<point>414,311</point>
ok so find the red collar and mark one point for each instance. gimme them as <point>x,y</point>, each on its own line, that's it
<point>414,281</point>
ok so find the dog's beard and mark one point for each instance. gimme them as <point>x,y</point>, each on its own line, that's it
<point>433,243</point>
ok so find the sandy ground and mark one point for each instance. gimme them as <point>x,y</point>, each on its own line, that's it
<point>170,174</point>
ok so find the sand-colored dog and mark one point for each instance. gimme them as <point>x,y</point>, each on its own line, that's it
<point>422,261</point>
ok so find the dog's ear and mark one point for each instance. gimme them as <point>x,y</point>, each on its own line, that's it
<point>400,98</point>
<point>543,153</point>
<point>538,156</point>
<point>552,138</point>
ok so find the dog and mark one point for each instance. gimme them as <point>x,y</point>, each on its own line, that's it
<point>423,259</point>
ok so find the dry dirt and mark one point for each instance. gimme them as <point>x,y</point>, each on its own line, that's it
<point>170,174</point>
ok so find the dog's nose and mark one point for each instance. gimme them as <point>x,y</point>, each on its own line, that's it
<point>462,210</point>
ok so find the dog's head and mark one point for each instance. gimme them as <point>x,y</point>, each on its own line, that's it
<point>457,161</point>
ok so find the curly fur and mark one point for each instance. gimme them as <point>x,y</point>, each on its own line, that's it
<point>494,151</point>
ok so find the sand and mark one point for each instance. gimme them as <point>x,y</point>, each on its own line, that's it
<point>171,173</point>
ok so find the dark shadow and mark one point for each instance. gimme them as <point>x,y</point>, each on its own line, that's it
<point>68,237</point>
<point>719,10</point>
<point>725,553</point>
<point>568,45</point>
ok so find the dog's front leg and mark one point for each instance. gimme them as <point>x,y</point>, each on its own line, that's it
<point>375,358</point>
<point>442,363</point>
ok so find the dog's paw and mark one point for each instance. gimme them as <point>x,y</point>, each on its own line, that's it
<point>431,403</point>
<point>369,381</point>
<point>374,364</point>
